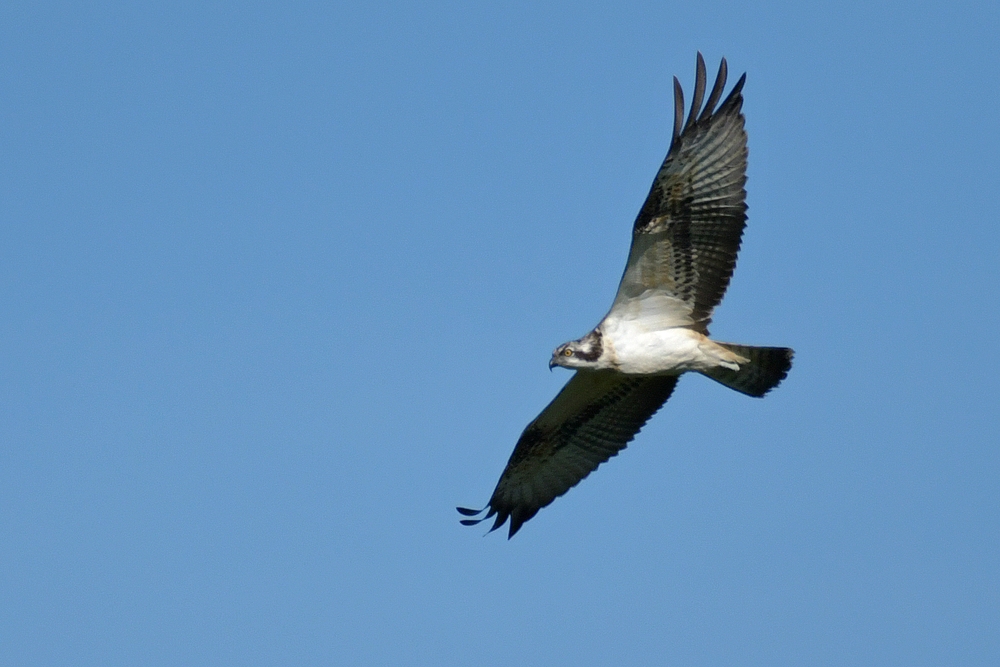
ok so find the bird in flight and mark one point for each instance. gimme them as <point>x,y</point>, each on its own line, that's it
<point>684,246</point>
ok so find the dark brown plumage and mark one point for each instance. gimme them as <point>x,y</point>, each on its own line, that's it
<point>595,415</point>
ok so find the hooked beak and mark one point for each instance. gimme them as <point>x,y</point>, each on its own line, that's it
<point>552,363</point>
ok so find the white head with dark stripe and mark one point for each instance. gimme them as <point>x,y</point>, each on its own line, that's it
<point>582,353</point>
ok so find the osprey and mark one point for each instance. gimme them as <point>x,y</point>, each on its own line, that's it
<point>684,246</point>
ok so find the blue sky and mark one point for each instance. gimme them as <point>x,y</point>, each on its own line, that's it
<point>280,283</point>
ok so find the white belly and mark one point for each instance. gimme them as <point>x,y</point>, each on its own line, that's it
<point>629,348</point>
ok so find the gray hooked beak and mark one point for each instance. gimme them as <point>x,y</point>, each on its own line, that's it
<point>552,363</point>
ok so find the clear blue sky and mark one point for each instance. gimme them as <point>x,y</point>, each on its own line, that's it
<point>279,285</point>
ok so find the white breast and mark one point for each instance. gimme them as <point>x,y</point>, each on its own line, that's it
<point>631,347</point>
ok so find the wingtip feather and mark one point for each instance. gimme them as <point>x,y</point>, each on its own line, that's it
<point>678,111</point>
<point>699,92</point>
<point>500,520</point>
<point>735,95</point>
<point>717,89</point>
<point>697,112</point>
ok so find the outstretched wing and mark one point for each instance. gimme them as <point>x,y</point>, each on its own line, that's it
<point>687,235</point>
<point>595,415</point>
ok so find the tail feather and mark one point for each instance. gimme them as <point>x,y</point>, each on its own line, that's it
<point>765,368</point>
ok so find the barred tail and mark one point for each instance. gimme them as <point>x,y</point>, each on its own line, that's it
<point>767,367</point>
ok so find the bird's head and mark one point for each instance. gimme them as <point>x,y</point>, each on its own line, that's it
<point>582,353</point>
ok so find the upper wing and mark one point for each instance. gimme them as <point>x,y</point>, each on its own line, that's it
<point>687,235</point>
<point>595,415</point>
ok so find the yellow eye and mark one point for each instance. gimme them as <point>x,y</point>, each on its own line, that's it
<point>567,352</point>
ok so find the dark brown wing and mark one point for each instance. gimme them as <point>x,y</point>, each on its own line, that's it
<point>688,232</point>
<point>595,415</point>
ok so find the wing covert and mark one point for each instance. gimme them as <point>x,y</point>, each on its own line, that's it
<point>592,418</point>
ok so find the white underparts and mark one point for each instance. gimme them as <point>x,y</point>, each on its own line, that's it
<point>632,348</point>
